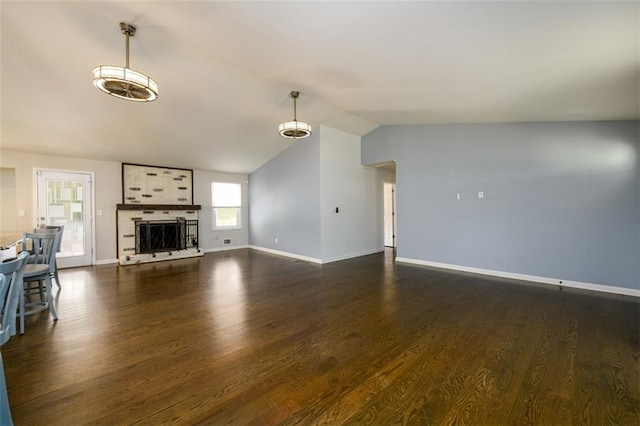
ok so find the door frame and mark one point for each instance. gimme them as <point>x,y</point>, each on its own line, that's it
<point>92,207</point>
<point>394,223</point>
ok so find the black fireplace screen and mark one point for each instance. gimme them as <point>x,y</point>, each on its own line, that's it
<point>153,236</point>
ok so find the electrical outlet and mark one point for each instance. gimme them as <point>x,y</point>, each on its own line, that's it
<point>276,240</point>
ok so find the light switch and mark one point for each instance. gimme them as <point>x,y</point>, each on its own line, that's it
<point>22,213</point>
<point>99,212</point>
<point>481,194</point>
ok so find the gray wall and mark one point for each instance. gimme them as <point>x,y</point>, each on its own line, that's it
<point>561,200</point>
<point>293,197</point>
<point>284,200</point>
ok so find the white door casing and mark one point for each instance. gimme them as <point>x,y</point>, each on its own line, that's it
<point>66,198</point>
<point>389,214</point>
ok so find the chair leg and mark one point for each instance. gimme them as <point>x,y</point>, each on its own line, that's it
<point>21,313</point>
<point>5,410</point>
<point>52,308</point>
<point>56,277</point>
<point>41,290</point>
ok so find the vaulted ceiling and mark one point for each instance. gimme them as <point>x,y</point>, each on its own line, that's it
<point>225,70</point>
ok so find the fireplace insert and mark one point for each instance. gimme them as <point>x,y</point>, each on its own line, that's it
<point>153,236</point>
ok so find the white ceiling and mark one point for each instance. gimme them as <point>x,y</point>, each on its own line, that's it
<point>225,70</point>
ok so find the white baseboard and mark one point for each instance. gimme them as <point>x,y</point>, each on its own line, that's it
<point>215,249</point>
<point>352,255</point>
<point>287,254</point>
<point>523,277</point>
<point>314,259</point>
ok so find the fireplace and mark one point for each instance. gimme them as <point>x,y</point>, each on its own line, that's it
<point>153,236</point>
<point>157,220</point>
<point>152,233</point>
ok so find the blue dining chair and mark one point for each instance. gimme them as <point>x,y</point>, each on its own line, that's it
<point>5,410</point>
<point>11,275</point>
<point>38,270</point>
<point>53,229</point>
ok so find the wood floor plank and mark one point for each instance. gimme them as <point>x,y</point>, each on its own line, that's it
<point>245,337</point>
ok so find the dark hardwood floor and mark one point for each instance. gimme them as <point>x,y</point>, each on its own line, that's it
<point>246,337</point>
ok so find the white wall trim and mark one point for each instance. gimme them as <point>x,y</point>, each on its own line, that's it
<point>215,249</point>
<point>532,278</point>
<point>287,254</point>
<point>351,255</point>
<point>314,259</point>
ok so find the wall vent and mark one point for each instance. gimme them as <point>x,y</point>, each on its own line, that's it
<point>226,241</point>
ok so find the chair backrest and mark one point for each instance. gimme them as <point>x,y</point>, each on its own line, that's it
<point>50,229</point>
<point>10,289</point>
<point>43,247</point>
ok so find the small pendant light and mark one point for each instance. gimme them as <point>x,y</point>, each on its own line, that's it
<point>295,129</point>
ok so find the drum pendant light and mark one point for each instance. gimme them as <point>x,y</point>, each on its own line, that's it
<point>295,129</point>
<point>123,82</point>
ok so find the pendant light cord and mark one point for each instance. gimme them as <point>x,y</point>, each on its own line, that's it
<point>295,117</point>
<point>127,59</point>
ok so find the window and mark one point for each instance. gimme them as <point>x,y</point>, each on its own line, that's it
<point>226,200</point>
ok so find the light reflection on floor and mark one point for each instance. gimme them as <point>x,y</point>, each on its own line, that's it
<point>228,303</point>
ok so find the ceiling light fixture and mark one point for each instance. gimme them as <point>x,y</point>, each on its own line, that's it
<point>294,129</point>
<point>125,83</point>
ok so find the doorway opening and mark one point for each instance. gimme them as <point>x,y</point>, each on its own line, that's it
<point>389,190</point>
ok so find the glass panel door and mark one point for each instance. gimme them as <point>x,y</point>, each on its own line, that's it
<point>64,198</point>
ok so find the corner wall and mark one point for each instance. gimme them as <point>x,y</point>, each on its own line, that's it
<point>354,190</point>
<point>284,200</point>
<point>293,197</point>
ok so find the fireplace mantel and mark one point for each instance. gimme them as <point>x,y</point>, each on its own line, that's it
<point>159,207</point>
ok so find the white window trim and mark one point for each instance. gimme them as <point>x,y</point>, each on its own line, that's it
<point>224,228</point>
<point>239,208</point>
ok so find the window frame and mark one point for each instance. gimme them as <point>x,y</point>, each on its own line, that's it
<point>238,208</point>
